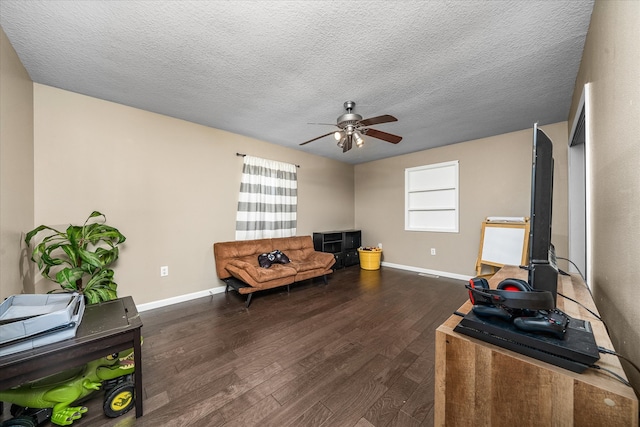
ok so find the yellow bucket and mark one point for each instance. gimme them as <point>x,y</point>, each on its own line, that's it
<point>370,260</point>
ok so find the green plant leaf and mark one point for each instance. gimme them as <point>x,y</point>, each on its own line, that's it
<point>72,254</point>
<point>74,235</point>
<point>107,256</point>
<point>36,230</point>
<point>36,255</point>
<point>104,294</point>
<point>95,214</point>
<point>102,276</point>
<point>105,233</point>
<point>68,278</point>
<point>101,286</point>
<point>92,297</point>
<point>90,258</point>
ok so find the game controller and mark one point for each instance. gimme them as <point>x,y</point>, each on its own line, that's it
<point>281,258</point>
<point>274,257</point>
<point>492,311</point>
<point>553,322</point>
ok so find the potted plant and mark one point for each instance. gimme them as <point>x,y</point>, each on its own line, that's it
<point>78,258</point>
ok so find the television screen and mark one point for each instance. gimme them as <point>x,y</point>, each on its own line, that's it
<point>543,272</point>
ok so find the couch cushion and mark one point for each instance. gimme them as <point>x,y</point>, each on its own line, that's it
<point>296,248</point>
<point>225,252</point>
<point>313,261</point>
<point>252,274</point>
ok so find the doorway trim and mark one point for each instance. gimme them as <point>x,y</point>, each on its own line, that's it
<point>579,180</point>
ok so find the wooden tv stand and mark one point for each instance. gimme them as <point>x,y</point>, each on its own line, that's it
<point>480,384</point>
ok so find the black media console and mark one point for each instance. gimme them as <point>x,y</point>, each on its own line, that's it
<point>342,244</point>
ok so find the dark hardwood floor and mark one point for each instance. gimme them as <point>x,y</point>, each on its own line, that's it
<point>357,352</point>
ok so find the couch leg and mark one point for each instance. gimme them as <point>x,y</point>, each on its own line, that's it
<point>287,288</point>
<point>226,289</point>
<point>248,300</point>
<point>324,278</point>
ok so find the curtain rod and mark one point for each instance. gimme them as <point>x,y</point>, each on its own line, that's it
<point>242,155</point>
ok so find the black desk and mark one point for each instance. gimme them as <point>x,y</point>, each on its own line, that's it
<point>108,327</point>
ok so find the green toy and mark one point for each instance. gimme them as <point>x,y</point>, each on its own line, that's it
<point>61,390</point>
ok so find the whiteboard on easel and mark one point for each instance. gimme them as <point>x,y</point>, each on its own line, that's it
<point>504,243</point>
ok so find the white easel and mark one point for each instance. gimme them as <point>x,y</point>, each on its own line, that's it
<point>503,241</point>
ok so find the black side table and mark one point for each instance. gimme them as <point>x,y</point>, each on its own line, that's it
<point>107,327</point>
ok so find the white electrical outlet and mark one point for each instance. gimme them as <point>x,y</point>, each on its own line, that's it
<point>433,251</point>
<point>164,271</point>
<point>380,245</point>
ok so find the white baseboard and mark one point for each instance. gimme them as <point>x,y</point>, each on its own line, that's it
<point>427,271</point>
<point>179,298</point>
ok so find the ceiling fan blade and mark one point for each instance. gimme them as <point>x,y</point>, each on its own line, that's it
<point>321,136</point>
<point>377,120</point>
<point>389,137</point>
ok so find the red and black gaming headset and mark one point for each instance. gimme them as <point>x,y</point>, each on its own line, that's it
<point>511,293</point>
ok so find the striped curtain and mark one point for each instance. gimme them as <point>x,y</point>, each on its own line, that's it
<point>268,200</point>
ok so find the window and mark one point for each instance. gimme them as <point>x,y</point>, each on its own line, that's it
<point>268,200</point>
<point>431,198</point>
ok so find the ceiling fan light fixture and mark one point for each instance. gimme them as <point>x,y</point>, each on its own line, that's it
<point>349,130</point>
<point>359,139</point>
<point>338,135</point>
<point>342,141</point>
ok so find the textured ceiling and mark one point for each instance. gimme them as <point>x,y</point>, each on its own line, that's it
<point>449,71</point>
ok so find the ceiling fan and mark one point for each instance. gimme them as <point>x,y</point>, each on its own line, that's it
<point>353,128</point>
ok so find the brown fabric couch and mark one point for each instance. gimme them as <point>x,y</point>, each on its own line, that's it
<point>237,263</point>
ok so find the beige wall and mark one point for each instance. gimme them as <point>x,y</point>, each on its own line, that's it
<point>168,185</point>
<point>611,64</point>
<point>16,169</point>
<point>171,187</point>
<point>495,180</point>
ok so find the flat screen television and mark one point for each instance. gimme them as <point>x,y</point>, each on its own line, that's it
<point>543,271</point>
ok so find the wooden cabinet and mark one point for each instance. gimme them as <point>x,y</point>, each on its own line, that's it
<point>480,384</point>
<point>342,244</point>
